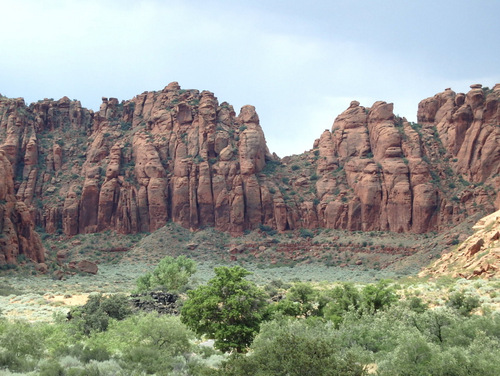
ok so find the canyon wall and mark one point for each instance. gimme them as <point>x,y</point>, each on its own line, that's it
<point>17,230</point>
<point>180,155</point>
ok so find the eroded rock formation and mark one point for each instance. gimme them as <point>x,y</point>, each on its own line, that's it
<point>180,155</point>
<point>402,176</point>
<point>17,234</point>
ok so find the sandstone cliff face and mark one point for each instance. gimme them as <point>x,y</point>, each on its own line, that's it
<point>171,155</point>
<point>180,155</point>
<point>468,128</point>
<point>400,176</point>
<point>17,235</point>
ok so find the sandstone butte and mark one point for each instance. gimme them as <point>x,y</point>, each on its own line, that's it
<point>180,155</point>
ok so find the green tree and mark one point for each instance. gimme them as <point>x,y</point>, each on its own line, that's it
<point>229,309</point>
<point>171,274</point>
<point>337,302</point>
<point>300,301</point>
<point>377,296</point>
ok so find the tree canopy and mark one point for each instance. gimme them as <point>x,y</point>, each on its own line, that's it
<point>229,309</point>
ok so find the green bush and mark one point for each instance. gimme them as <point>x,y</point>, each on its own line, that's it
<point>268,229</point>
<point>416,304</point>
<point>299,302</point>
<point>95,314</point>
<point>306,233</point>
<point>6,290</point>
<point>171,274</point>
<point>21,345</point>
<point>413,356</point>
<point>462,303</point>
<point>116,306</point>
<point>51,368</point>
<point>296,348</point>
<point>270,167</point>
<point>147,342</point>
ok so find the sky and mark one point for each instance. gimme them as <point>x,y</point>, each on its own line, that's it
<point>300,63</point>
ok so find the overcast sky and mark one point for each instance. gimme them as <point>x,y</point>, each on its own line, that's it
<point>300,63</point>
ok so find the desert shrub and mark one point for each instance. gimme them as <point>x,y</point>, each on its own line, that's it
<point>82,352</point>
<point>151,330</point>
<point>21,345</point>
<point>268,229</point>
<point>435,324</point>
<point>306,233</point>
<point>416,304</point>
<point>108,368</point>
<point>146,342</point>
<point>463,303</point>
<point>463,331</point>
<point>413,356</point>
<point>94,353</point>
<point>171,274</point>
<point>373,333</point>
<point>433,342</point>
<point>146,359</point>
<point>299,301</point>
<point>51,368</point>
<point>89,321</point>
<point>95,314</point>
<point>295,347</point>
<point>116,306</point>
<point>270,167</point>
<point>265,228</point>
<point>302,300</point>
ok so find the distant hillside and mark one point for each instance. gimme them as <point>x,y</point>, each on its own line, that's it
<point>180,155</point>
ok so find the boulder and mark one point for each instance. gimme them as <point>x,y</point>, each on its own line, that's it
<point>41,268</point>
<point>86,266</point>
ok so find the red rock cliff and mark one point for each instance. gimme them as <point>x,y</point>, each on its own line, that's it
<point>180,155</point>
<point>17,235</point>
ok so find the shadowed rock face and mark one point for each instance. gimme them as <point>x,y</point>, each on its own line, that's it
<point>17,235</point>
<point>178,155</point>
